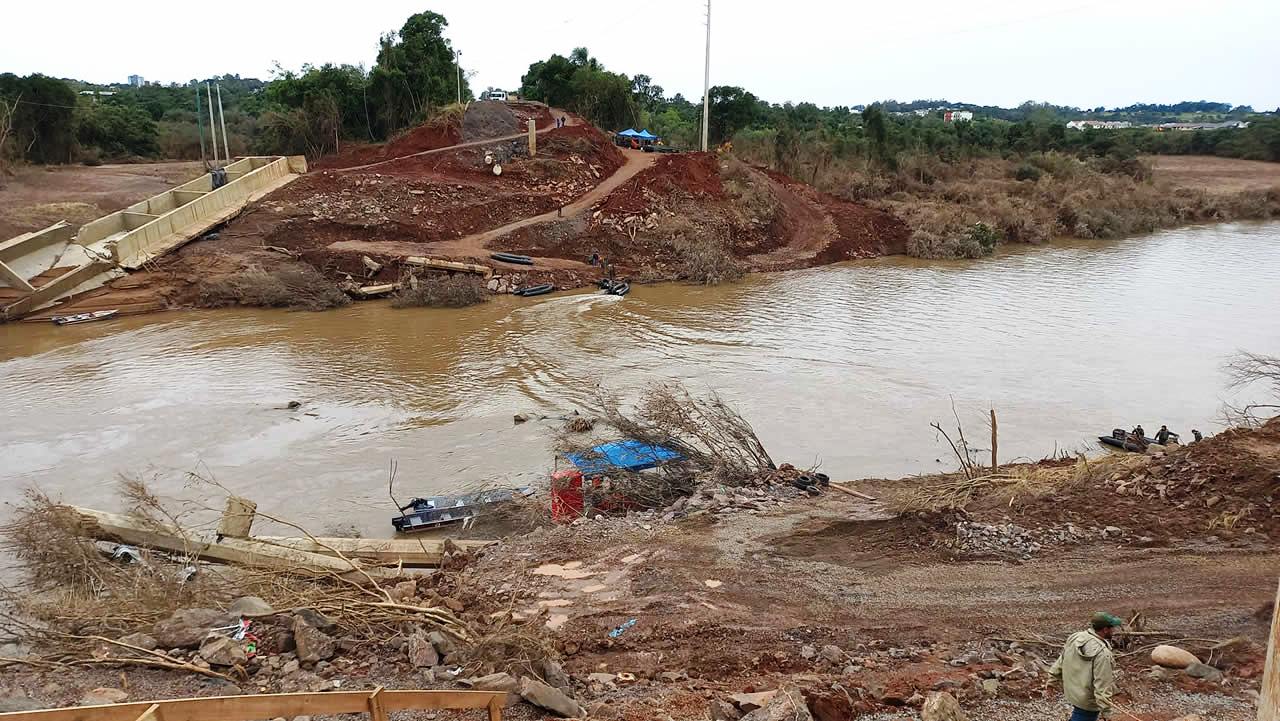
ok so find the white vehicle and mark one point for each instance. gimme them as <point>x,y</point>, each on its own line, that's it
<point>496,95</point>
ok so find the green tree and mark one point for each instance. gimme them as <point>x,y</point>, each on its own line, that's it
<point>117,130</point>
<point>874,122</point>
<point>732,109</point>
<point>414,75</point>
<point>43,124</point>
<point>550,81</point>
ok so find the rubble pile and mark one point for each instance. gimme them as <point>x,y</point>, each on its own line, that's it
<point>1009,539</point>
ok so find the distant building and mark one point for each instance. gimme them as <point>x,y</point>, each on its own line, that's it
<point>97,92</point>
<point>137,81</point>
<point>1203,126</point>
<point>1099,124</point>
<point>957,116</point>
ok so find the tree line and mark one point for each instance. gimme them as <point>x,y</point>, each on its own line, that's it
<point>314,110</point>
<point>310,111</point>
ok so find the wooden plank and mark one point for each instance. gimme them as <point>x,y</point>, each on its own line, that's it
<point>380,289</point>
<point>409,700</point>
<point>151,714</point>
<point>242,551</point>
<point>376,711</point>
<point>9,276</point>
<point>1269,693</point>
<point>405,551</point>
<point>266,706</point>
<point>237,518</point>
<point>852,492</point>
<point>484,270</point>
<point>495,710</point>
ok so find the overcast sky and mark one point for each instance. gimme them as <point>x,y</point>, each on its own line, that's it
<point>1001,52</point>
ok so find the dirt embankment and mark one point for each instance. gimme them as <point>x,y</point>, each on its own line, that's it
<point>653,225</point>
<point>667,613</point>
<point>437,191</point>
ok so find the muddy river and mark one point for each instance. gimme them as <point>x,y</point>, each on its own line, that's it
<point>844,366</point>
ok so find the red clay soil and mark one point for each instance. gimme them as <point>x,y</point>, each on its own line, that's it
<point>864,231</point>
<point>423,137</point>
<point>1222,486</point>
<point>689,175</point>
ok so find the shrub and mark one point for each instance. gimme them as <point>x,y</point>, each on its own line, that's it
<point>1026,171</point>
<point>301,287</point>
<point>706,259</point>
<point>985,236</point>
<point>441,291</point>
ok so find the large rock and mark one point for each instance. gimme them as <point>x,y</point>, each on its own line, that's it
<point>222,651</point>
<point>787,705</point>
<point>548,697</point>
<point>188,627</point>
<point>496,682</point>
<point>103,696</point>
<point>445,645</point>
<point>752,701</point>
<point>942,706</point>
<point>723,711</point>
<point>313,644</point>
<point>1172,657</point>
<point>421,653</point>
<point>250,607</point>
<point>553,674</point>
<point>317,620</point>
<point>499,682</point>
<point>1204,671</point>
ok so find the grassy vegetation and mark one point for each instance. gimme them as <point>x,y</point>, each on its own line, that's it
<point>962,208</point>
<point>441,291</point>
<point>301,287</point>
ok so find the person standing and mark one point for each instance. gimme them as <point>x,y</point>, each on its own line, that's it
<point>1086,668</point>
<point>1162,436</point>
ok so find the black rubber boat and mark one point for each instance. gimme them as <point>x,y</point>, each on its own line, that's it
<point>512,258</point>
<point>615,287</point>
<point>535,290</point>
<point>422,514</point>
<point>1125,441</point>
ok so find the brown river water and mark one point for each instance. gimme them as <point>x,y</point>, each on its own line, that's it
<point>843,365</point>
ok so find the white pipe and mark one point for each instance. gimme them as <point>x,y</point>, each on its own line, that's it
<point>222,120</point>
<point>706,87</point>
<point>213,129</point>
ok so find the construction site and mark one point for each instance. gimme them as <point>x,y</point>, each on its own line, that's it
<point>727,584</point>
<point>499,178</point>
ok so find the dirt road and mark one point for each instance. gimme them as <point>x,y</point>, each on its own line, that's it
<point>475,244</point>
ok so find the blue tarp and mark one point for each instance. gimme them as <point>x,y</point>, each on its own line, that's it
<point>629,133</point>
<point>646,135</point>
<point>630,455</point>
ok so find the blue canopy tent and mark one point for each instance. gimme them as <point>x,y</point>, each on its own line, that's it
<point>629,133</point>
<point>629,455</point>
<point>646,135</point>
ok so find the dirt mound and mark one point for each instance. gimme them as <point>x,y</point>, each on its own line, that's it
<point>686,175</point>
<point>586,142</point>
<point>489,119</point>
<point>432,136</point>
<point>1223,486</point>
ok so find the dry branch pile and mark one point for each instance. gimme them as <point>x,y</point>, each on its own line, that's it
<point>77,602</point>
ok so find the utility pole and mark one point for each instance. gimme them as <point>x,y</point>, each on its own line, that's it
<point>1269,694</point>
<point>213,129</point>
<point>222,120</point>
<point>200,128</point>
<point>706,86</point>
<point>457,62</point>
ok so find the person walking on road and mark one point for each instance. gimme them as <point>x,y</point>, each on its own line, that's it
<point>1086,668</point>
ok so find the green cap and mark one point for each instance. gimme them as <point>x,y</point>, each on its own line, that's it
<point>1102,619</point>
